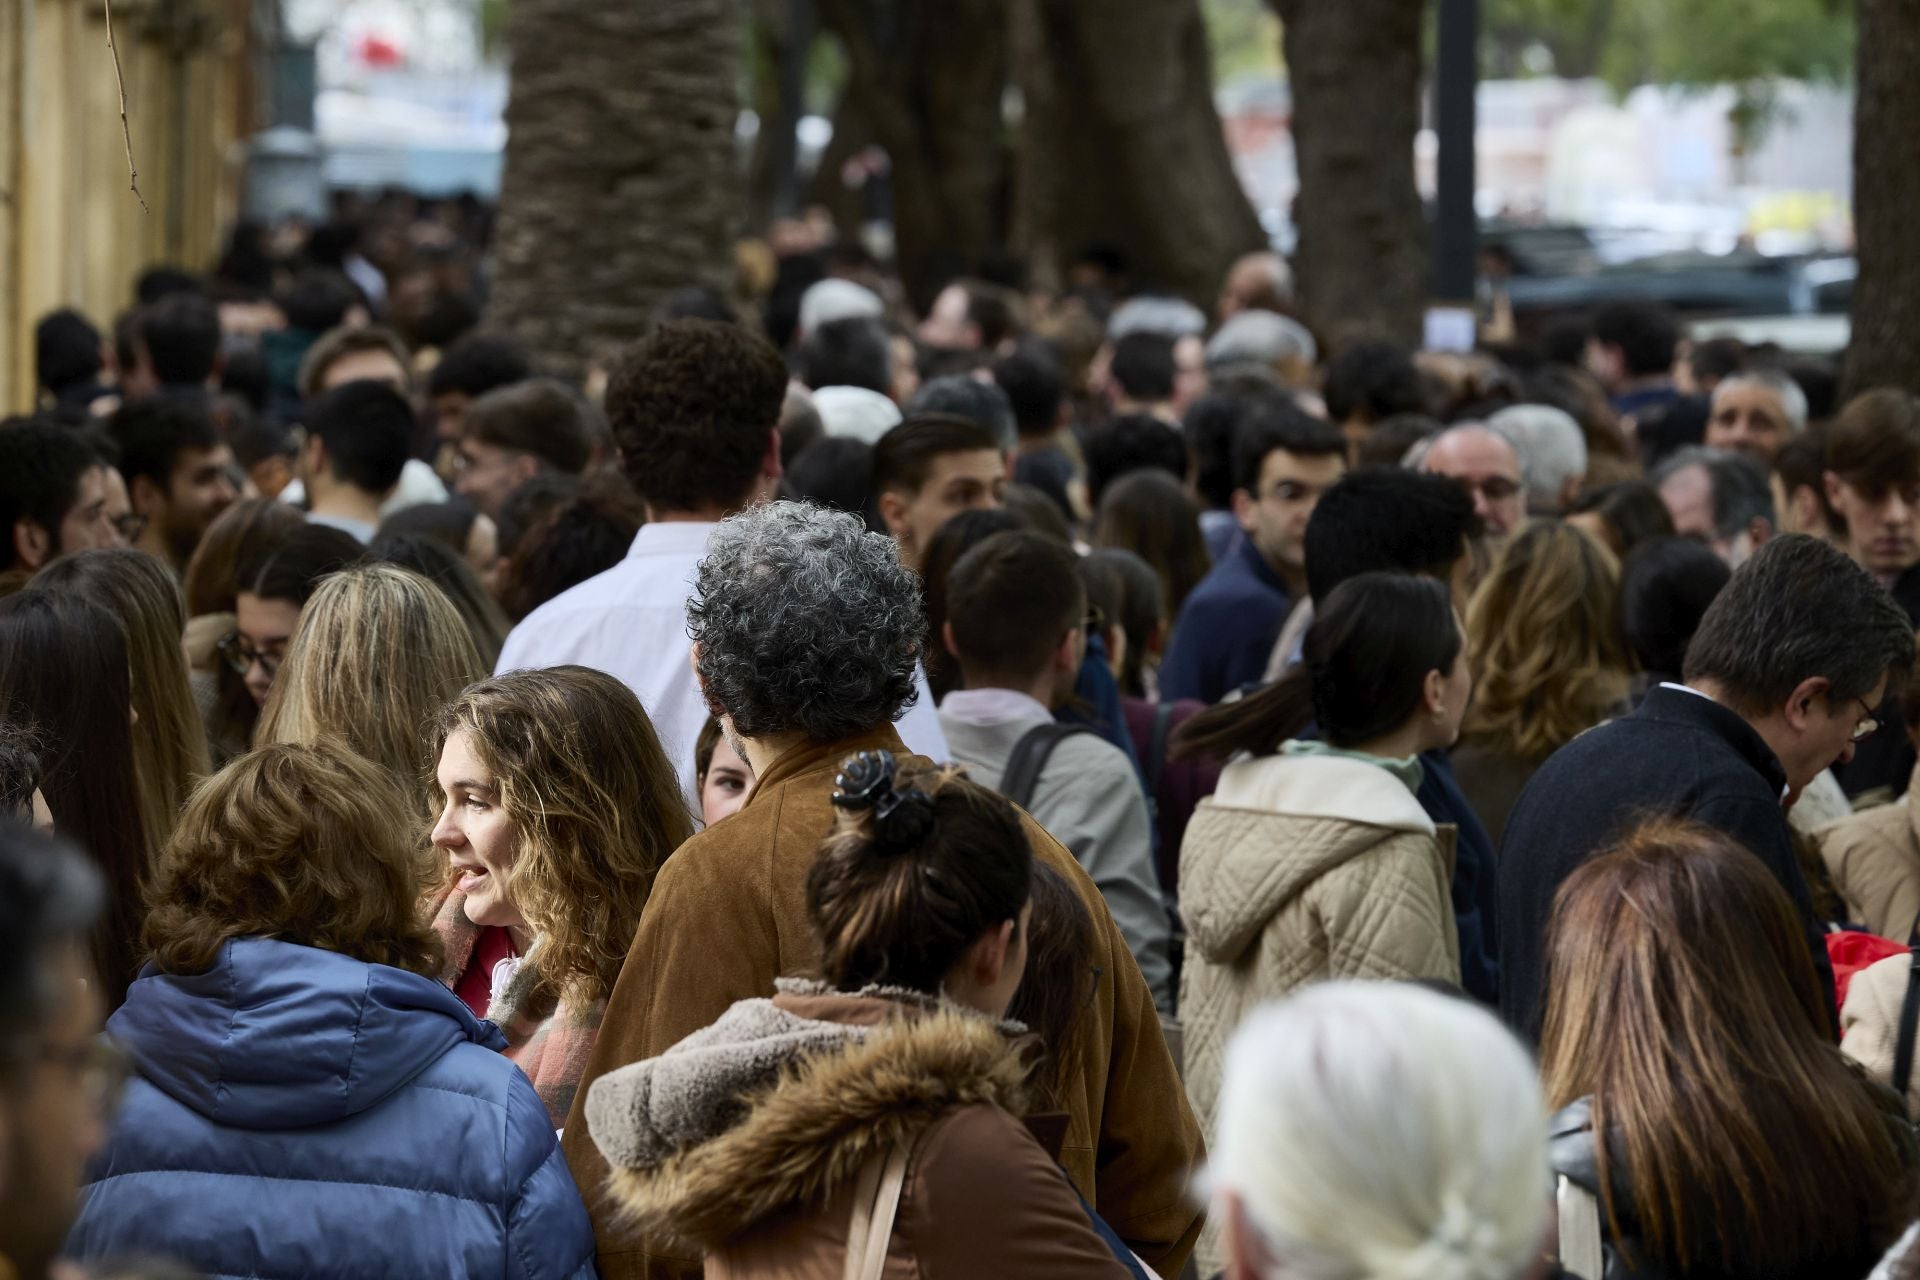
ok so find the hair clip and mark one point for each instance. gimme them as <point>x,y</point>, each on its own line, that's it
<point>900,818</point>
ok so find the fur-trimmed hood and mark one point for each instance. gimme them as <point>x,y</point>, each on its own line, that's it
<point>784,1099</point>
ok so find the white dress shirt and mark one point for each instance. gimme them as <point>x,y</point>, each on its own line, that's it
<point>631,622</point>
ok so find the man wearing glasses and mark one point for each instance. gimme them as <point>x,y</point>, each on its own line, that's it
<point>1782,679</point>
<point>58,1078</point>
<point>1486,464</point>
<point>1283,461</point>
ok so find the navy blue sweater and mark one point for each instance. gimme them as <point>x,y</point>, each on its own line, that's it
<point>1226,629</point>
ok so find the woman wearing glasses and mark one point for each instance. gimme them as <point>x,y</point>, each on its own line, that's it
<point>267,610</point>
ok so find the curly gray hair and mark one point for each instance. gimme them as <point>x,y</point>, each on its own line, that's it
<point>805,621</point>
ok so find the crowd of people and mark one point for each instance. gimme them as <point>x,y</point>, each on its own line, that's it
<point>1036,783</point>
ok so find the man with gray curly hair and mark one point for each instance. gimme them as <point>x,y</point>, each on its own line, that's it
<point>806,632</point>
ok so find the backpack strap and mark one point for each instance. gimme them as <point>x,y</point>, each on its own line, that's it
<point>1156,761</point>
<point>1909,1015</point>
<point>1030,756</point>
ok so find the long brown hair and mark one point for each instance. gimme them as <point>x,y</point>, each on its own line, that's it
<point>1543,643</point>
<point>238,541</point>
<point>1149,513</point>
<point>578,769</point>
<point>1682,1000</point>
<point>169,739</point>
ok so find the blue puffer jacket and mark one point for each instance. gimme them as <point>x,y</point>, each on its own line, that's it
<point>300,1114</point>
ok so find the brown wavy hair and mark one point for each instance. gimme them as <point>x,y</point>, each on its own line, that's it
<point>1681,998</point>
<point>579,771</point>
<point>1546,654</point>
<point>307,844</point>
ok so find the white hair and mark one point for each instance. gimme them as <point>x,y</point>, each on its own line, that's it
<point>863,414</point>
<point>1156,313</point>
<point>1552,449</point>
<point>834,299</point>
<point>1382,1131</point>
<point>1793,400</point>
<point>1261,338</point>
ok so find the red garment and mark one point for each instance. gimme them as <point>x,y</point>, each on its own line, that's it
<point>1852,950</point>
<point>475,988</point>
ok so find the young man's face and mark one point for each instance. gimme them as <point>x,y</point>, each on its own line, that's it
<point>1881,532</point>
<point>1275,516</point>
<point>486,474</point>
<point>89,522</point>
<point>956,482</point>
<point>200,488</point>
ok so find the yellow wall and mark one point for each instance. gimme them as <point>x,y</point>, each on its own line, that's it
<point>71,233</point>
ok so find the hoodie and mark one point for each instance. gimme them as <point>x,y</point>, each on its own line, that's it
<point>296,1112</point>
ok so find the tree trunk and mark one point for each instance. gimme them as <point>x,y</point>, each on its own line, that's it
<point>782,37</point>
<point>1355,72</point>
<point>1131,149</point>
<point>928,78</point>
<point>620,180</point>
<point>1885,350</point>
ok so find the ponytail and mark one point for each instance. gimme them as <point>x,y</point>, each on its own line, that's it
<point>1256,724</point>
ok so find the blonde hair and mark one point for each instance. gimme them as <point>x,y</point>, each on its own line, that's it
<point>379,651</point>
<point>1546,654</point>
<point>306,844</point>
<point>169,739</point>
<point>1381,1131</point>
<point>596,804</point>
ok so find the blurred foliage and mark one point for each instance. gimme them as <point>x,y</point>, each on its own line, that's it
<point>1690,43</point>
<point>1245,37</point>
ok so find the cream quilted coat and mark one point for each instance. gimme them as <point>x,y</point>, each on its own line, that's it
<point>1299,869</point>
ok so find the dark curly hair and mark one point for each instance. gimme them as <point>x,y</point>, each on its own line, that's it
<point>805,621</point>
<point>693,406</point>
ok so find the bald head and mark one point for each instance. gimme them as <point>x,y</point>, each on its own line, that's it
<point>1487,465</point>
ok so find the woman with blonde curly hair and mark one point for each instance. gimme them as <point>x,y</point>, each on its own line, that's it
<point>305,1096</point>
<point>378,652</point>
<point>1548,662</point>
<point>557,808</point>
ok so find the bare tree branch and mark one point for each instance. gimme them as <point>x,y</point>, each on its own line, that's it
<point>126,134</point>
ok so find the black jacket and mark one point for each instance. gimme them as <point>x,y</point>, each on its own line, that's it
<point>1678,755</point>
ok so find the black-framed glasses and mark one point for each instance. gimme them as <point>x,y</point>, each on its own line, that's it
<point>240,656</point>
<point>1867,727</point>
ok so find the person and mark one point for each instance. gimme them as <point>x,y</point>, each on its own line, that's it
<point>952,540</point>
<point>268,606</point>
<point>513,433</point>
<point>69,361</point>
<point>357,440</point>
<point>929,469</point>
<point>179,473</point>
<point>800,690</point>
<point>1044,453</point>
<point>169,740</point>
<point>1665,588</point>
<point>1552,450</point>
<point>556,810</point>
<point>964,396</point>
<point>584,535</point>
<point>1622,516</point>
<point>177,344</point>
<point>432,559</point>
<point>837,473</point>
<point>1149,513</point>
<point>1548,662</point>
<point>1017,623</point>
<point>920,904</point>
<point>723,777</point>
<point>1377,1129</point>
<point>468,369</point>
<point>1756,411</point>
<point>831,300</point>
<point>1368,382</point>
<point>246,534</point>
<point>365,628</point>
<point>1222,637</point>
<point>970,315</point>
<point>1141,377</point>
<point>66,674</point>
<point>1130,443</point>
<point>469,533</point>
<point>1799,485</point>
<point>1724,499</point>
<point>1258,281</point>
<point>1873,857</point>
<point>1630,349</point>
<point>1738,1141</point>
<point>364,354</point>
<point>20,796</point>
<point>1266,345</point>
<point>1313,859</point>
<point>1782,678</point>
<point>301,1083</point>
<point>850,352</point>
<point>1872,482</point>
<point>56,1082</point>
<point>1211,427</point>
<point>1487,465</point>
<point>53,495</point>
<point>694,407</point>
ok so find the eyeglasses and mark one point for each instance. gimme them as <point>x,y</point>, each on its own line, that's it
<point>1867,727</point>
<point>131,525</point>
<point>102,1066</point>
<point>240,657</point>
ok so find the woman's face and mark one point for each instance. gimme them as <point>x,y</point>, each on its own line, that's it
<point>265,627</point>
<point>481,841</point>
<point>726,785</point>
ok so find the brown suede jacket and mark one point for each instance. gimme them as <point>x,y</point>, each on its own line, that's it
<point>728,916</point>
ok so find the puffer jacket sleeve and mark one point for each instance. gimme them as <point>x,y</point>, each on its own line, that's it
<point>1870,1023</point>
<point>1388,914</point>
<point>549,1236</point>
<point>1876,870</point>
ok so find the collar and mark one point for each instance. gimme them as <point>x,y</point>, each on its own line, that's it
<point>671,538</point>
<point>823,757</point>
<point>1257,563</point>
<point>1671,703</point>
<point>982,707</point>
<point>1409,770</point>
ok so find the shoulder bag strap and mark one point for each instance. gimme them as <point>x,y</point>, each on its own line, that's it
<point>1580,1253</point>
<point>1030,756</point>
<point>876,1201</point>
<point>1909,1014</point>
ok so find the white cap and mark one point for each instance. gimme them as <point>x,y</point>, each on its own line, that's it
<point>856,412</point>
<point>828,300</point>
